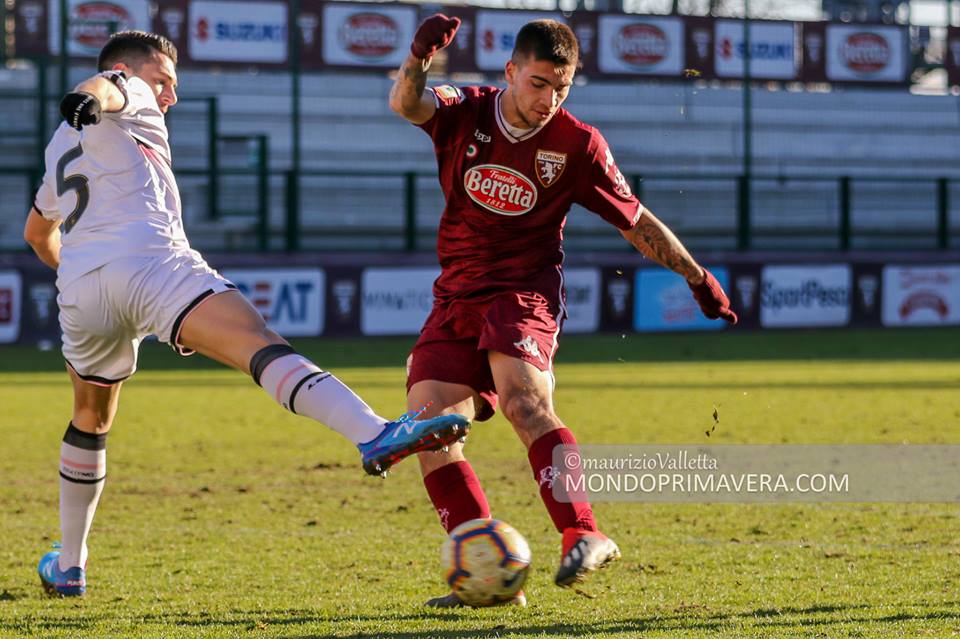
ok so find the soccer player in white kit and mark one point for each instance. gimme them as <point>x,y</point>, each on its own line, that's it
<point>107,218</point>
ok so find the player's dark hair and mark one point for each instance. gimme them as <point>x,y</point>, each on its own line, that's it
<point>547,40</point>
<point>133,48</point>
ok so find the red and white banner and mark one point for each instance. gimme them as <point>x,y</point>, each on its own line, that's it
<point>866,53</point>
<point>921,295</point>
<point>92,23</point>
<point>367,35</point>
<point>641,46</point>
<point>245,32</point>
<point>377,36</point>
<point>773,50</point>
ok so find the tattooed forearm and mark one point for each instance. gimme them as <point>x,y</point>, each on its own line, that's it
<point>407,91</point>
<point>417,75</point>
<point>651,237</point>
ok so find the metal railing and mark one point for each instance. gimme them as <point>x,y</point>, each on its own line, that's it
<point>741,217</point>
<point>401,222</point>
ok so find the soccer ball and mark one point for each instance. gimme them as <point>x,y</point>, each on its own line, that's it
<point>486,561</point>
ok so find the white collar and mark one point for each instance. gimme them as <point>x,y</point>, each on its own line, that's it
<point>512,133</point>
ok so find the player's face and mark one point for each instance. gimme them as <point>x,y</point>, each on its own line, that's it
<point>535,90</point>
<point>160,75</point>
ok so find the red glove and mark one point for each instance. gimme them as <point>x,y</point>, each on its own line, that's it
<point>434,34</point>
<point>714,303</point>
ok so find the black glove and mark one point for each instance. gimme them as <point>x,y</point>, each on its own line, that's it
<point>79,109</point>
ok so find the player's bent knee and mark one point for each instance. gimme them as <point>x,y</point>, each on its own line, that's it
<point>525,411</point>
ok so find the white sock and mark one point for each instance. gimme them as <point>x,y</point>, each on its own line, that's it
<point>303,388</point>
<point>83,468</point>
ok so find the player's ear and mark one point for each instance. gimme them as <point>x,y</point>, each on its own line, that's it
<point>510,71</point>
<point>120,66</point>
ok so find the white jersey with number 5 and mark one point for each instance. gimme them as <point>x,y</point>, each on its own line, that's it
<point>112,186</point>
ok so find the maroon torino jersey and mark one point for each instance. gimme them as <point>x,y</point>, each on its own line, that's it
<point>508,198</point>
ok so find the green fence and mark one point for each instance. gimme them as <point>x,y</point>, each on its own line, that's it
<point>274,211</point>
<point>255,227</point>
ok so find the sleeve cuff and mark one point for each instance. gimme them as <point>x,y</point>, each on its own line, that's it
<point>119,79</point>
<point>39,211</point>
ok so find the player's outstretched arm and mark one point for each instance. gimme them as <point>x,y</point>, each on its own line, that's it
<point>407,97</point>
<point>43,236</point>
<point>655,240</point>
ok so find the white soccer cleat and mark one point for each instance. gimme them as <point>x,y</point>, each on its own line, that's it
<point>584,552</point>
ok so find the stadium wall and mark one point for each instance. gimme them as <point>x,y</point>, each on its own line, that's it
<point>312,295</point>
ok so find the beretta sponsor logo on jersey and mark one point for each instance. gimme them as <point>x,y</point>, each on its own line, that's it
<point>550,165</point>
<point>370,35</point>
<point>499,189</point>
<point>865,52</point>
<point>641,45</point>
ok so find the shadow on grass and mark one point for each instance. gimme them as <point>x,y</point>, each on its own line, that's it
<point>931,344</point>
<point>800,618</point>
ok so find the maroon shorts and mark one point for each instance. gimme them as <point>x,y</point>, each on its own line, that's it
<point>455,339</point>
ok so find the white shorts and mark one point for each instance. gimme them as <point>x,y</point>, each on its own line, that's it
<point>105,314</point>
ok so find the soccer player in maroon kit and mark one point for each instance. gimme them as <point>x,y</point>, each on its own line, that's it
<point>511,163</point>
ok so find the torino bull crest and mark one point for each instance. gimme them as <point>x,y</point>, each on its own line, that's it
<point>550,165</point>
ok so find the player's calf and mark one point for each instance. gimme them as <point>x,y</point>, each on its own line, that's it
<point>83,472</point>
<point>303,388</point>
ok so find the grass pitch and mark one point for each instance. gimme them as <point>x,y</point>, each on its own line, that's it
<point>225,517</point>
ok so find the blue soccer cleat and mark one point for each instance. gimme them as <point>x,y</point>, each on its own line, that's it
<point>408,435</point>
<point>69,583</point>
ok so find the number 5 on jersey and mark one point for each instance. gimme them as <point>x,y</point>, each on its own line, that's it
<point>74,182</point>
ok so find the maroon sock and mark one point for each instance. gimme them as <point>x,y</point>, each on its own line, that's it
<point>456,494</point>
<point>578,514</point>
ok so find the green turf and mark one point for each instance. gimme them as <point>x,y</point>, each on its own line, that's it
<point>225,517</point>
